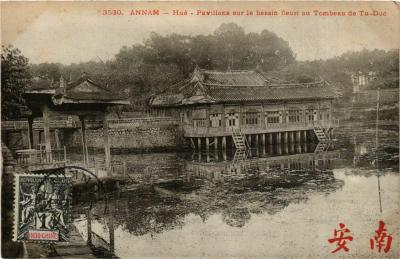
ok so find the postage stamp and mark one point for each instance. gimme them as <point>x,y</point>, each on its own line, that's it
<point>42,208</point>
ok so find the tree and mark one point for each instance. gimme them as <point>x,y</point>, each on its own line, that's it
<point>163,60</point>
<point>15,77</point>
<point>230,47</point>
<point>48,70</point>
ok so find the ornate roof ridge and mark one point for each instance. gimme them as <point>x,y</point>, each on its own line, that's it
<point>83,78</point>
<point>227,71</point>
<point>225,85</point>
<point>312,84</point>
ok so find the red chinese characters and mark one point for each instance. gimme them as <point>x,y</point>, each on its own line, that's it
<point>341,238</point>
<point>381,239</point>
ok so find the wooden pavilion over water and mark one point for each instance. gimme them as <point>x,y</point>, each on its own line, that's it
<point>83,97</point>
<point>238,106</point>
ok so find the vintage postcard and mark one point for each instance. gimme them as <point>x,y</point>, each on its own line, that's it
<point>200,129</point>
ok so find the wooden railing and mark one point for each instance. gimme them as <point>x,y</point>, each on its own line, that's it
<point>132,122</point>
<point>29,157</point>
<point>98,165</point>
<point>70,123</point>
<point>23,125</point>
<point>15,125</point>
<point>190,130</point>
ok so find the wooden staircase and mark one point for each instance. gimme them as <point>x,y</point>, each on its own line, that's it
<point>242,146</point>
<point>239,160</point>
<point>240,155</point>
<point>239,139</point>
<point>321,133</point>
<point>323,138</point>
<point>321,147</point>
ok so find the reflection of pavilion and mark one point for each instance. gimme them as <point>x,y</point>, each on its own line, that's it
<point>236,201</point>
<point>235,191</point>
<point>282,158</point>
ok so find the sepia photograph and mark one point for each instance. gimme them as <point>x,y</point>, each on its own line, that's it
<point>200,129</point>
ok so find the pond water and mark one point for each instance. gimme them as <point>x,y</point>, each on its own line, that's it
<point>281,201</point>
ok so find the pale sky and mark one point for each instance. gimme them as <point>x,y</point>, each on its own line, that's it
<point>73,32</point>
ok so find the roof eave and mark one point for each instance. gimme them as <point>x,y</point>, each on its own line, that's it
<point>272,100</point>
<point>67,100</point>
<point>40,91</point>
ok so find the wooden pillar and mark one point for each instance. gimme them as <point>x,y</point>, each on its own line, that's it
<point>46,128</point>
<point>125,168</point>
<point>111,233</point>
<point>30,132</point>
<point>257,143</point>
<point>223,119</point>
<point>224,143</point>
<point>207,144</point>
<point>84,141</point>
<point>240,117</point>
<point>285,137</point>
<point>25,138</point>
<point>298,136</point>
<point>233,144</point>
<point>216,143</point>
<point>57,138</point>
<point>270,138</point>
<point>279,149</point>
<point>305,135</point>
<point>291,136</point>
<point>298,147</point>
<point>292,148</point>
<point>83,146</point>
<point>192,143</point>
<point>199,143</point>
<point>263,140</point>
<point>39,137</point>
<point>250,138</point>
<point>263,125</point>
<point>208,119</point>
<point>107,149</point>
<point>65,153</point>
<point>89,227</point>
<point>278,138</point>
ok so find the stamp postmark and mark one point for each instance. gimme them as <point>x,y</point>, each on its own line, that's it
<point>42,208</point>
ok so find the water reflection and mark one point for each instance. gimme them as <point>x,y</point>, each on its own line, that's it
<point>232,188</point>
<point>192,197</point>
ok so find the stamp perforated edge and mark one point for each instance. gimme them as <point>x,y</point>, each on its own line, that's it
<point>16,205</point>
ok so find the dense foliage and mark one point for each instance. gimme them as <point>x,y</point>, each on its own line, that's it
<point>144,69</point>
<point>15,77</point>
<point>338,70</point>
<point>163,60</point>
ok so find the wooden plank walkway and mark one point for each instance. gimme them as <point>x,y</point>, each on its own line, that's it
<point>76,248</point>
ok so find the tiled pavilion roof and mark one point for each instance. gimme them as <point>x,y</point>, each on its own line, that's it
<point>82,90</point>
<point>237,86</point>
